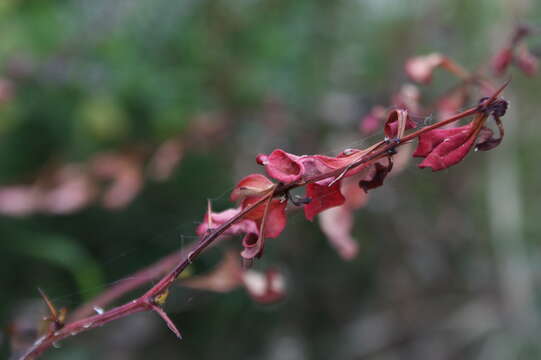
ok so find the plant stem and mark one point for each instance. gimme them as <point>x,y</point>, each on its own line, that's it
<point>156,295</point>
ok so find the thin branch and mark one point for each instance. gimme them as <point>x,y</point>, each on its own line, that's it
<point>155,297</point>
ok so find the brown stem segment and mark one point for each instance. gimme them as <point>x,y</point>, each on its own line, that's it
<point>154,297</point>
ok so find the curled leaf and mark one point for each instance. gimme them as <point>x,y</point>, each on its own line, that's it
<point>397,122</point>
<point>281,166</point>
<point>486,140</point>
<point>374,176</point>
<point>443,148</point>
<point>251,185</point>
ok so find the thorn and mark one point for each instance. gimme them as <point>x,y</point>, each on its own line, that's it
<point>209,214</point>
<point>52,309</point>
<point>167,320</point>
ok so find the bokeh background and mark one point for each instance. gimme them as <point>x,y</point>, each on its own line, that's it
<point>449,266</point>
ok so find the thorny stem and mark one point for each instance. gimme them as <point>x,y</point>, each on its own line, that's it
<point>144,303</point>
<point>149,300</point>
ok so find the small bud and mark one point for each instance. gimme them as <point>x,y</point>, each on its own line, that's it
<point>261,159</point>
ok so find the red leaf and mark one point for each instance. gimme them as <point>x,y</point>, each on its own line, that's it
<point>322,197</point>
<point>253,246</point>
<point>282,166</point>
<point>276,219</point>
<point>443,148</point>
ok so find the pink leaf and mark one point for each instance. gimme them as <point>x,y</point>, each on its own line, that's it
<point>225,277</point>
<point>219,218</point>
<point>371,122</point>
<point>251,185</point>
<point>526,61</point>
<point>18,200</point>
<point>336,224</point>
<point>501,61</point>
<point>420,68</point>
<point>165,159</point>
<point>265,288</point>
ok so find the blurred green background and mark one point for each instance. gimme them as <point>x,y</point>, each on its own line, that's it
<point>449,262</point>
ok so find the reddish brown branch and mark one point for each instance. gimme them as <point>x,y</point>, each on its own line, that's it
<point>154,298</point>
<point>133,282</point>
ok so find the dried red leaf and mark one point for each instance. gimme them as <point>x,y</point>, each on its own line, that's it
<point>374,176</point>
<point>251,185</point>
<point>397,122</point>
<point>443,148</point>
<point>276,216</point>
<point>322,197</point>
<point>281,166</point>
<point>254,245</point>
<point>486,140</point>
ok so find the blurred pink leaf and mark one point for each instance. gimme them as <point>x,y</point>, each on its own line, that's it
<point>166,159</point>
<point>226,276</point>
<point>125,174</point>
<point>72,191</point>
<point>18,200</point>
